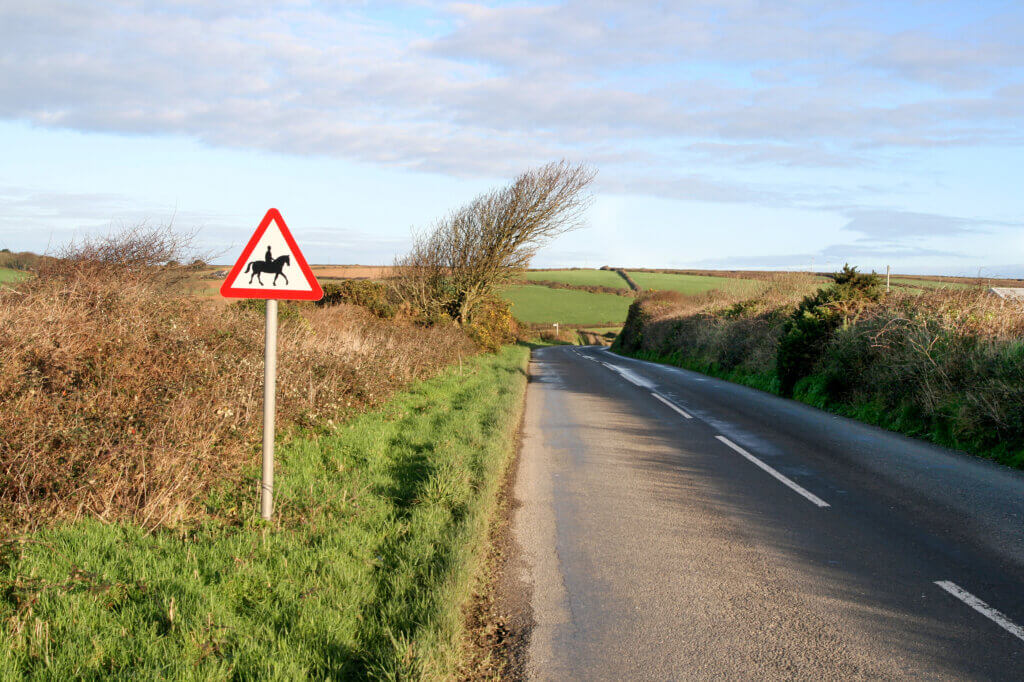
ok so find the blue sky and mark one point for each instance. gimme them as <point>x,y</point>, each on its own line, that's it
<point>727,133</point>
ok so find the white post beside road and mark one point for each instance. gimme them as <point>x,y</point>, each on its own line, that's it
<point>269,408</point>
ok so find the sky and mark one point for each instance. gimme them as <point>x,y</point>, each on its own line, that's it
<point>726,133</point>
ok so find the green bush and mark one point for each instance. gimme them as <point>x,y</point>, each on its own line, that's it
<point>286,310</point>
<point>491,325</point>
<point>374,296</point>
<point>817,318</point>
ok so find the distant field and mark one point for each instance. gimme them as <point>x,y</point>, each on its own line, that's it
<point>567,306</point>
<point>583,278</point>
<point>694,284</point>
<point>352,271</point>
<point>929,283</point>
<point>8,276</point>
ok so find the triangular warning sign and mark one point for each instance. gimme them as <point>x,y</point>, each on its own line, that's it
<point>271,266</point>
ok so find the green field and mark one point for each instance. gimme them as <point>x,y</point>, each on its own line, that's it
<point>567,306</point>
<point>9,276</point>
<point>584,278</point>
<point>694,284</point>
<point>362,574</point>
<point>928,283</point>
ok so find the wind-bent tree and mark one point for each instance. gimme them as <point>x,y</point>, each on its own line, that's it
<point>472,252</point>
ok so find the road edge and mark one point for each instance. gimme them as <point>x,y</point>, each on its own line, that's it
<point>498,617</point>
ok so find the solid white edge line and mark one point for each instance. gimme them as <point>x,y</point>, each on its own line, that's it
<point>672,405</point>
<point>982,608</point>
<point>814,499</point>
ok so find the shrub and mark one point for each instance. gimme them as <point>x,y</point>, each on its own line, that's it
<point>286,310</point>
<point>816,318</point>
<point>492,324</point>
<point>638,317</point>
<point>943,364</point>
<point>374,296</point>
<point>24,260</point>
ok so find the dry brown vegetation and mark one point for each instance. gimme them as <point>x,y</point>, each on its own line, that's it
<point>731,327</point>
<point>20,260</point>
<point>123,397</point>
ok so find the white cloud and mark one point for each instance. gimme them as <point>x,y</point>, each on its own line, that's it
<point>653,93</point>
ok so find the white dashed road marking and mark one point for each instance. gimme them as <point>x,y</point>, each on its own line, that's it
<point>982,608</point>
<point>673,406</point>
<point>814,499</point>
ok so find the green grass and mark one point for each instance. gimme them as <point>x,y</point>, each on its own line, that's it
<point>694,284</point>
<point>586,278</point>
<point>9,276</point>
<point>380,525</point>
<point>567,306</point>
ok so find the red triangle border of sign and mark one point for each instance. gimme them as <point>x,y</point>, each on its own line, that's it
<point>227,291</point>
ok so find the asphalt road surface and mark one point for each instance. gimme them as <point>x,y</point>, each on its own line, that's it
<point>674,526</point>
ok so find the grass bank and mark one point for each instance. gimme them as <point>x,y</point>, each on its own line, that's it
<point>361,575</point>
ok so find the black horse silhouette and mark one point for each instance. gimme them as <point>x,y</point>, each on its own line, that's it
<point>276,267</point>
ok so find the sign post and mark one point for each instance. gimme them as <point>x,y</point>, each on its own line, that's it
<point>276,257</point>
<point>269,409</point>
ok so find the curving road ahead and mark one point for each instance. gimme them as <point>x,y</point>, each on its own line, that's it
<point>674,526</point>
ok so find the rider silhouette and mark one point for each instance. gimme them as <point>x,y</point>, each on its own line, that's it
<point>269,258</point>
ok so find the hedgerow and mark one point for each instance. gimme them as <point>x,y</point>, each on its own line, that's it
<point>946,364</point>
<point>122,397</point>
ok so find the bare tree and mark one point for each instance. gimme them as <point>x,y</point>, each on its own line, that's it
<point>472,252</point>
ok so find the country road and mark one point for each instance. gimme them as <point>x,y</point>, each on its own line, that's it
<point>674,526</point>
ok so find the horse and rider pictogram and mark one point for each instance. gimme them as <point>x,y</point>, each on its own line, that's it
<point>268,265</point>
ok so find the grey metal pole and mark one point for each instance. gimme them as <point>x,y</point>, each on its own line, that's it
<point>269,408</point>
<point>886,279</point>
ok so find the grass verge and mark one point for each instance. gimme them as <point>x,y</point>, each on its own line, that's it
<point>362,575</point>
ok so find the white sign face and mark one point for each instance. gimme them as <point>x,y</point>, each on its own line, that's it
<point>271,266</point>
